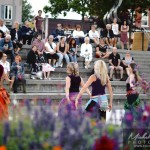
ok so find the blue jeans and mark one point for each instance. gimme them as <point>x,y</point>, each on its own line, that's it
<point>73,58</point>
<point>61,56</point>
<point>79,40</point>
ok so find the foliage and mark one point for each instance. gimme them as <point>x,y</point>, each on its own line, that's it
<point>26,11</point>
<point>43,130</point>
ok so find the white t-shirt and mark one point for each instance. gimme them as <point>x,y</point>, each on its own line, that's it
<point>6,66</point>
<point>115,29</point>
<point>4,28</point>
<point>51,48</point>
<point>76,34</point>
<point>86,49</point>
<point>93,35</point>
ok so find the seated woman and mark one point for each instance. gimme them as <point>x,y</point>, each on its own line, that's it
<point>72,50</point>
<point>62,50</point>
<point>126,61</point>
<point>50,50</point>
<point>86,52</point>
<point>17,74</point>
<point>102,50</point>
<point>94,35</point>
<point>78,35</point>
<point>73,83</point>
<point>16,37</point>
<point>33,60</point>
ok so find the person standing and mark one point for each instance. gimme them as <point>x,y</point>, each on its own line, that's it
<point>73,83</point>
<point>38,22</point>
<point>4,96</point>
<point>98,103</point>
<point>115,28</point>
<point>124,36</point>
<point>131,87</point>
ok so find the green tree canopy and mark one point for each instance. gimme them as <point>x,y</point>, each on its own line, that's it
<point>26,11</point>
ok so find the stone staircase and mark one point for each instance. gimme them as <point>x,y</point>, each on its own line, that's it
<point>54,89</point>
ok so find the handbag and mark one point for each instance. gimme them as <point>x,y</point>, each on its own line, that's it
<point>20,76</point>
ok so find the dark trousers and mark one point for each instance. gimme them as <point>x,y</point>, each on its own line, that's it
<point>16,83</point>
<point>95,111</point>
<point>27,38</point>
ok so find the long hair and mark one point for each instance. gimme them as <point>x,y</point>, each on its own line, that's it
<point>70,43</point>
<point>101,71</point>
<point>73,69</point>
<point>134,70</point>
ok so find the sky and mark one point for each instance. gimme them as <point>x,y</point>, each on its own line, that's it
<point>39,4</point>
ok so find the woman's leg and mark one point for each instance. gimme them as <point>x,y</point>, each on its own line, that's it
<point>60,59</point>
<point>12,82</point>
<point>67,58</point>
<point>48,74</point>
<point>122,45</point>
<point>71,57</point>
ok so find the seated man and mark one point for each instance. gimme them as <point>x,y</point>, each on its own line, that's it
<point>6,46</point>
<point>114,64</point>
<point>108,35</point>
<point>27,33</point>
<point>86,52</point>
<point>58,33</point>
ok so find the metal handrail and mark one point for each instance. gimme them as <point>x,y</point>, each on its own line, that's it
<point>146,33</point>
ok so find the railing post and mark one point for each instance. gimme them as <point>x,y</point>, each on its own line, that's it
<point>143,41</point>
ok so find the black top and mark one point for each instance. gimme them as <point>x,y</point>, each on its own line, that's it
<point>26,30</point>
<point>32,57</point>
<point>59,32</point>
<point>102,49</point>
<point>75,83</point>
<point>97,88</point>
<point>108,33</point>
<point>13,35</point>
<point>62,49</point>
<point>114,59</point>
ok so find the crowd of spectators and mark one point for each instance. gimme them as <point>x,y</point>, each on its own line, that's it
<point>62,44</point>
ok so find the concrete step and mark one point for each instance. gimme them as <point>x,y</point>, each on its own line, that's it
<point>56,96</point>
<point>57,86</point>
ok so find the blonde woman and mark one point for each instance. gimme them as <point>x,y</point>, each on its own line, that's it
<point>73,82</point>
<point>98,103</point>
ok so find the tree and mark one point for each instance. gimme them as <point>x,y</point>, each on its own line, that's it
<point>26,11</point>
<point>63,6</point>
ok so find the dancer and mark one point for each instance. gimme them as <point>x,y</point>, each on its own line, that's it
<point>98,103</point>
<point>131,83</point>
<point>4,96</point>
<point>73,82</point>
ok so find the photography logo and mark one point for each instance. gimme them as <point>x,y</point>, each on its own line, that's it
<point>137,139</point>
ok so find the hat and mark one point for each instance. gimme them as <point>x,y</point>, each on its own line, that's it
<point>1,71</point>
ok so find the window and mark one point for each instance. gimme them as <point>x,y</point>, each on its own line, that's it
<point>8,12</point>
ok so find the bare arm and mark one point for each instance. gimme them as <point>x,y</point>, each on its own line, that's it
<point>67,88</point>
<point>35,25</point>
<point>110,62</point>
<point>87,90</point>
<point>86,85</point>
<point>58,48</point>
<point>66,49</point>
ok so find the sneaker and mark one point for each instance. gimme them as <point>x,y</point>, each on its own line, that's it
<point>41,78</point>
<point>111,79</point>
<point>45,78</point>
<point>33,78</point>
<point>49,78</point>
<point>86,67</point>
